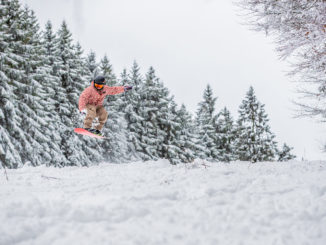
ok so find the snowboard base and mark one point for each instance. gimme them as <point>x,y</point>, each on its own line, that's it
<point>87,133</point>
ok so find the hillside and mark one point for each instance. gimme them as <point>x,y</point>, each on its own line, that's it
<point>158,203</point>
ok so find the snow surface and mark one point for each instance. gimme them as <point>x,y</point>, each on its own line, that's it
<point>157,203</point>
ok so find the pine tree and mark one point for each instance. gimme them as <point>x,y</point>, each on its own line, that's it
<point>206,124</point>
<point>72,84</point>
<point>226,135</point>
<point>92,66</point>
<point>124,81</point>
<point>134,120</point>
<point>149,136</point>
<point>153,107</point>
<point>124,77</point>
<point>187,137</point>
<point>106,70</point>
<point>52,86</point>
<point>285,154</point>
<point>171,126</point>
<point>36,117</point>
<point>9,152</point>
<point>255,141</point>
<point>135,79</point>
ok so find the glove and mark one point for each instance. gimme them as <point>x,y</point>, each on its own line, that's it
<point>128,88</point>
<point>83,112</point>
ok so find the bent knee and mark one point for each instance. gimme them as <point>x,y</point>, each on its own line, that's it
<point>103,116</point>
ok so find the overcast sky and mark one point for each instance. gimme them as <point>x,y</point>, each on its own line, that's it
<point>191,43</point>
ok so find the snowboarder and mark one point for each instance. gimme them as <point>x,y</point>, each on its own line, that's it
<point>91,103</point>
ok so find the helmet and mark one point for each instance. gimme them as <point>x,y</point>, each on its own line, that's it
<point>99,80</point>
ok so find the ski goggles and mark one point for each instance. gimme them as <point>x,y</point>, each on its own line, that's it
<point>98,86</point>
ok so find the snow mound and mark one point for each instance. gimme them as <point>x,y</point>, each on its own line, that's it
<point>157,203</point>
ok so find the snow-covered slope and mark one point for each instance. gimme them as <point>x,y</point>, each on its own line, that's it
<point>156,203</point>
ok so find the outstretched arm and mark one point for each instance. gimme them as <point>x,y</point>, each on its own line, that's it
<point>114,90</point>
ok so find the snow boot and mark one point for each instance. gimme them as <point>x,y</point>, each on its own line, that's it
<point>91,130</point>
<point>98,132</point>
<point>94,131</point>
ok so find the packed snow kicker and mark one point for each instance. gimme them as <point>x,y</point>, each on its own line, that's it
<point>158,203</point>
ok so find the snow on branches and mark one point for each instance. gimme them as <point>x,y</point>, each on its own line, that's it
<point>299,29</point>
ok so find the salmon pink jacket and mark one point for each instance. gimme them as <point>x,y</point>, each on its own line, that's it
<point>95,97</point>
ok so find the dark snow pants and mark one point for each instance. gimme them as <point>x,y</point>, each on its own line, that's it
<point>95,111</point>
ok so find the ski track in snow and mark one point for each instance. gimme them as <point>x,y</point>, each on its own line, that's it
<point>157,203</point>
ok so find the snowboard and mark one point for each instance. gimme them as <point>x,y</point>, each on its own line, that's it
<point>85,132</point>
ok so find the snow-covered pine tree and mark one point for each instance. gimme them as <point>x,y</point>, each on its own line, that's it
<point>52,86</point>
<point>114,150</point>
<point>187,137</point>
<point>226,135</point>
<point>124,78</point>
<point>81,74</point>
<point>135,78</point>
<point>106,70</point>
<point>9,146</point>
<point>255,141</point>
<point>124,81</point>
<point>36,117</point>
<point>169,123</point>
<point>131,154</point>
<point>92,65</point>
<point>206,127</point>
<point>72,84</point>
<point>284,154</point>
<point>9,156</point>
<point>153,107</point>
<point>132,102</point>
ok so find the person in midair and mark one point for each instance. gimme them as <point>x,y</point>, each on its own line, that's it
<point>91,103</point>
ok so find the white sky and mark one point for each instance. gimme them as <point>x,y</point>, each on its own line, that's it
<point>191,43</point>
